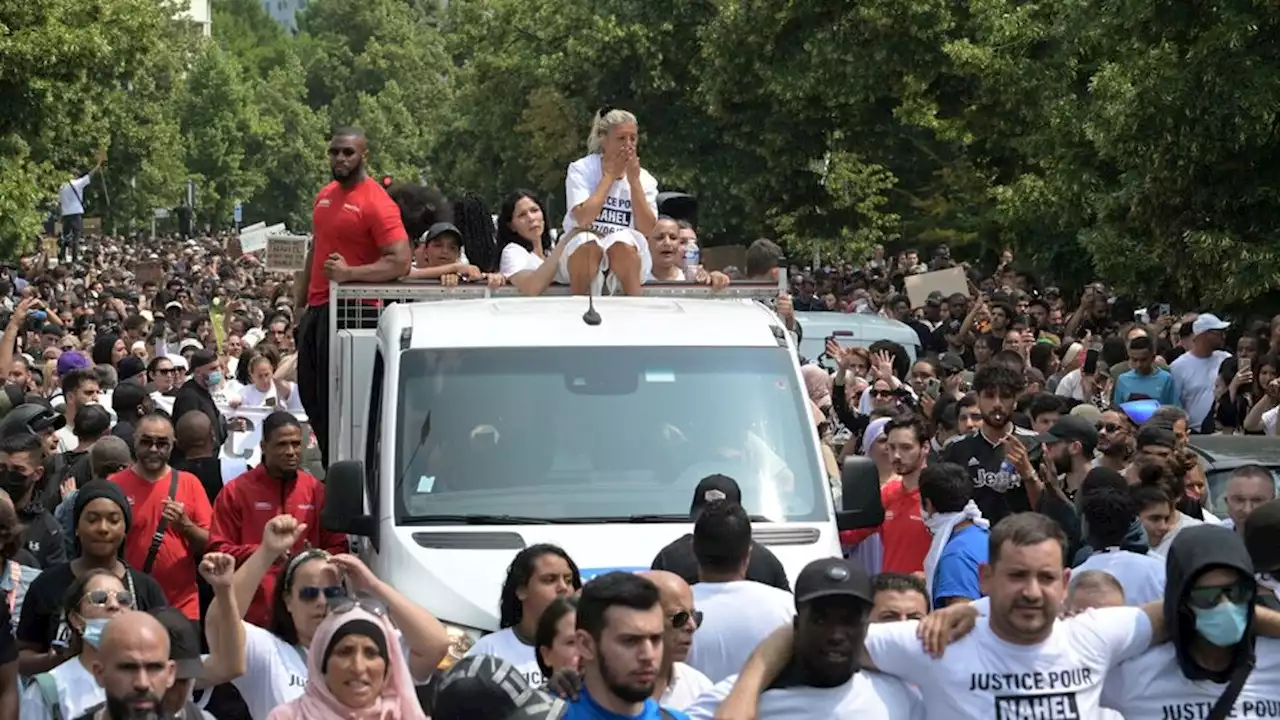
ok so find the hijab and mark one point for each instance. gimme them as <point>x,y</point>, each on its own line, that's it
<point>399,700</point>
<point>818,384</point>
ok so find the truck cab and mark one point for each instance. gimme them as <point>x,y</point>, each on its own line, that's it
<point>469,423</point>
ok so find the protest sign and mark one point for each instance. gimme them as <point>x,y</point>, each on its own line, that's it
<point>243,450</point>
<point>286,253</point>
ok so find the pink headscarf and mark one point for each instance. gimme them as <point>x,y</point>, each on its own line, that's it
<point>818,384</point>
<point>398,700</point>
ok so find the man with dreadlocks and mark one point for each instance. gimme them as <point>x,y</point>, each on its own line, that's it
<point>357,236</point>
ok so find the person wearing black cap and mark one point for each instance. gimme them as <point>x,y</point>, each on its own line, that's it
<point>486,686</point>
<point>1156,442</point>
<point>102,519</point>
<point>196,396</point>
<point>762,567</point>
<point>822,678</point>
<point>440,257</point>
<point>1215,656</point>
<point>22,476</point>
<point>1262,538</point>
<point>131,402</point>
<point>131,369</point>
<point>1070,443</point>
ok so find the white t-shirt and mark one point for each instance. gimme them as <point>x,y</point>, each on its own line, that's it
<point>77,692</point>
<point>737,616</point>
<point>1141,576</point>
<point>504,644</point>
<point>867,696</point>
<point>251,396</point>
<point>516,259</point>
<point>1269,418</point>
<point>71,194</point>
<point>67,440</point>
<point>1184,521</point>
<point>1194,378</point>
<point>1069,386</point>
<point>687,685</point>
<point>583,177</point>
<point>1152,687</point>
<point>985,678</point>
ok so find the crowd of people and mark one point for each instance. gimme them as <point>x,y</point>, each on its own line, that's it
<point>1047,548</point>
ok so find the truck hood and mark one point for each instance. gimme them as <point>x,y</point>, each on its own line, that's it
<point>457,572</point>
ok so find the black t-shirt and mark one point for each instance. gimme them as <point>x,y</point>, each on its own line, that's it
<point>997,487</point>
<point>763,566</point>
<point>8,645</point>
<point>42,537</point>
<point>42,621</point>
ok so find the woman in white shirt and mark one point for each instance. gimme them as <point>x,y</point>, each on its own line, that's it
<point>264,390</point>
<point>538,575</point>
<point>93,599</point>
<point>276,670</point>
<point>613,202</point>
<point>525,256</point>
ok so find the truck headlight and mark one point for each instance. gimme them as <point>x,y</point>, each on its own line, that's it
<point>461,639</point>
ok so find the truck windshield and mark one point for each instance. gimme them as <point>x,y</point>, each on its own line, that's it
<point>601,434</point>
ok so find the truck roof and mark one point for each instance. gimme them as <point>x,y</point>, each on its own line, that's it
<point>557,322</point>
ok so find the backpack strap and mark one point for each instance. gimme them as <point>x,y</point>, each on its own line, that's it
<point>158,538</point>
<point>49,693</point>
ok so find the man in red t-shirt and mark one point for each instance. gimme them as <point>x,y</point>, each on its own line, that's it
<point>148,484</point>
<point>356,236</point>
<point>903,534</point>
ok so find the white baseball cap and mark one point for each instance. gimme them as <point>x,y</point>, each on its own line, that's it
<point>1208,322</point>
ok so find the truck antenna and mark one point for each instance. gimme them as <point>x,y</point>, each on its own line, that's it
<point>591,317</point>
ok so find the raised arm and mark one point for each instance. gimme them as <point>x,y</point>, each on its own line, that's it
<point>533,282</point>
<point>226,660</point>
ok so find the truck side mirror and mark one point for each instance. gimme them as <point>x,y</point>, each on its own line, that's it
<point>344,502</point>
<point>860,505</point>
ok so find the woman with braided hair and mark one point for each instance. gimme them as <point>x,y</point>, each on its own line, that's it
<point>475,223</point>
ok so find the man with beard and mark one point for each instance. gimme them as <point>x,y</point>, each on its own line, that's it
<point>903,533</point>
<point>1216,657</point>
<point>1115,440</point>
<point>134,668</point>
<point>1003,476</point>
<point>22,465</point>
<point>1069,444</point>
<point>620,631</point>
<point>171,515</point>
<point>357,236</point>
<point>275,487</point>
<point>823,678</point>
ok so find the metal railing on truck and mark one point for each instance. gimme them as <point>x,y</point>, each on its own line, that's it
<point>354,310</point>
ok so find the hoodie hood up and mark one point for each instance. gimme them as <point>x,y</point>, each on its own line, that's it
<point>1193,552</point>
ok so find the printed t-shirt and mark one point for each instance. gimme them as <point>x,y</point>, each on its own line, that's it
<point>905,538</point>
<point>175,564</point>
<point>1152,687</point>
<point>504,644</point>
<point>982,677</point>
<point>866,696</point>
<point>618,212</point>
<point>356,224</point>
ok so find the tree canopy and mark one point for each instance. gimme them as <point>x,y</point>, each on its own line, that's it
<point>1126,141</point>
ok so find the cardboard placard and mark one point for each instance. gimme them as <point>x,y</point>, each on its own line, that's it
<point>286,253</point>
<point>149,271</point>
<point>948,282</point>
<point>93,226</point>
<point>50,246</point>
<point>233,247</point>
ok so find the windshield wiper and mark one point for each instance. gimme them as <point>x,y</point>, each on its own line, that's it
<point>475,519</point>
<point>651,518</point>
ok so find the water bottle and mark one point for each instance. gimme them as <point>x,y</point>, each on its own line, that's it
<point>692,256</point>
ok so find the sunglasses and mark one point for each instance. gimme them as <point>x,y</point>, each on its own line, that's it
<point>157,443</point>
<point>681,619</point>
<point>1206,598</point>
<point>123,598</point>
<point>164,371</point>
<point>1108,427</point>
<point>308,593</point>
<point>347,603</point>
<point>882,393</point>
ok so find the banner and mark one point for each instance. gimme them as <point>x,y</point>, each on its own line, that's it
<point>243,449</point>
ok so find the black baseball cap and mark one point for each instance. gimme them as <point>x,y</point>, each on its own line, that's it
<point>1072,428</point>
<point>950,363</point>
<point>715,488</point>
<point>830,577</point>
<point>1262,537</point>
<point>184,642</point>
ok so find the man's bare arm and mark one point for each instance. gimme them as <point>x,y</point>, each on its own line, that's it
<point>395,263</point>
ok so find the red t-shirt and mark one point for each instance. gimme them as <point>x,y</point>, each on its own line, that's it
<point>905,538</point>
<point>175,566</point>
<point>356,224</point>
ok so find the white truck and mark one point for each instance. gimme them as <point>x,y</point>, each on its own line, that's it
<point>468,424</point>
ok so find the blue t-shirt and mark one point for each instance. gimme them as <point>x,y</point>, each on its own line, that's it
<point>957,573</point>
<point>1157,386</point>
<point>584,708</point>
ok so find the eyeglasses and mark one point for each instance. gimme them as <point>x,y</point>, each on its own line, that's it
<point>347,603</point>
<point>123,598</point>
<point>681,619</point>
<point>1208,597</point>
<point>1108,427</point>
<point>307,593</point>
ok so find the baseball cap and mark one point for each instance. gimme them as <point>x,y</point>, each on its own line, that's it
<point>715,488</point>
<point>1262,537</point>
<point>130,366</point>
<point>950,363</point>
<point>1087,411</point>
<point>442,228</point>
<point>1208,322</point>
<point>184,642</point>
<point>1072,428</point>
<point>69,362</point>
<point>830,577</point>
<point>1150,436</point>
